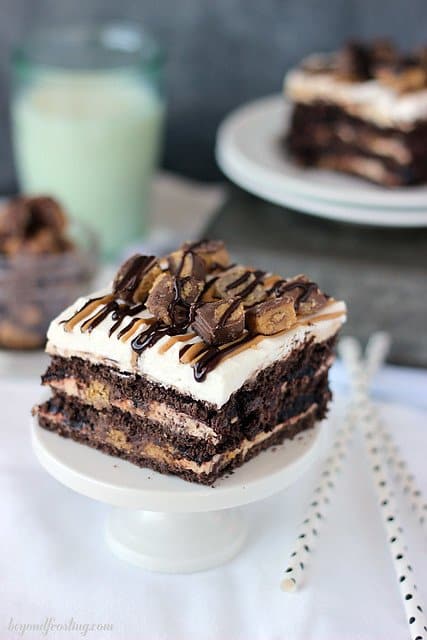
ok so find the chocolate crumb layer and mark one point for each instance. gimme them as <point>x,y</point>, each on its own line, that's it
<point>163,458</point>
<point>270,397</point>
<point>326,135</point>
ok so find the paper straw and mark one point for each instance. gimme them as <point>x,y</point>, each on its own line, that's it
<point>315,514</point>
<point>322,495</point>
<point>403,477</point>
<point>380,343</point>
<point>416,619</point>
<point>376,351</point>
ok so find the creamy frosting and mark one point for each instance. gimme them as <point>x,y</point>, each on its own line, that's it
<point>369,99</point>
<point>164,367</point>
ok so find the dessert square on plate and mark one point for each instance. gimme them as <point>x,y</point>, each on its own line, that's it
<point>189,364</point>
<point>363,111</point>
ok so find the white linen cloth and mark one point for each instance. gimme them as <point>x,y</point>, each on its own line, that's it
<point>55,564</point>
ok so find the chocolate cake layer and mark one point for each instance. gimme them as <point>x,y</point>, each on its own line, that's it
<point>138,429</point>
<point>117,434</point>
<point>151,425</point>
<point>263,401</point>
<point>326,135</point>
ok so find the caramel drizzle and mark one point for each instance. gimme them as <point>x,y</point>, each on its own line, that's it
<point>174,339</point>
<point>85,310</point>
<point>190,351</point>
<point>111,306</point>
<point>323,317</point>
<point>121,313</point>
<point>92,322</point>
<point>128,331</point>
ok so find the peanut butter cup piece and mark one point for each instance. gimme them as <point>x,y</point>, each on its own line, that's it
<point>170,298</point>
<point>135,278</point>
<point>353,62</point>
<point>219,322</point>
<point>213,252</point>
<point>306,294</point>
<point>271,316</point>
<point>241,282</point>
<point>184,264</point>
<point>405,76</point>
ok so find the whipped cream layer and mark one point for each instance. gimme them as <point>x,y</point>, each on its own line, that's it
<point>369,99</point>
<point>163,366</point>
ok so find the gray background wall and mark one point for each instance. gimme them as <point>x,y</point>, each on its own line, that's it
<point>221,53</point>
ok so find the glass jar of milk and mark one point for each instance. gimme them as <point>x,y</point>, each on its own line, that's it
<point>87,116</point>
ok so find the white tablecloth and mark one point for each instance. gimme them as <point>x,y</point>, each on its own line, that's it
<point>55,564</point>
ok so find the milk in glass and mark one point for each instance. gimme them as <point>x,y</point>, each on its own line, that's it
<point>92,140</point>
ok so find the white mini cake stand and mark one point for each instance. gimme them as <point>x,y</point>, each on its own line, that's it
<point>161,522</point>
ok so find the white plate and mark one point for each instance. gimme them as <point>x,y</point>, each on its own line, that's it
<point>362,215</point>
<point>250,153</point>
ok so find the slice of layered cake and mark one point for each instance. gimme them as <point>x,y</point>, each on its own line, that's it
<point>361,110</point>
<point>189,364</point>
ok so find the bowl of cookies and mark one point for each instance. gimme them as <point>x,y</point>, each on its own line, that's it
<point>46,260</point>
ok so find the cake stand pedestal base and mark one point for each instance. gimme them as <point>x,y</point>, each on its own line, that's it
<point>176,542</point>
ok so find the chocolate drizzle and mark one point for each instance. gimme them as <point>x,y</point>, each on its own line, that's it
<point>129,281</point>
<point>236,283</point>
<point>212,356</point>
<point>184,350</point>
<point>255,278</point>
<point>121,313</point>
<point>307,288</point>
<point>252,285</point>
<point>127,328</point>
<point>149,337</point>
<point>177,301</point>
<point>187,251</point>
<point>229,312</point>
<point>118,313</point>
<point>101,315</point>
